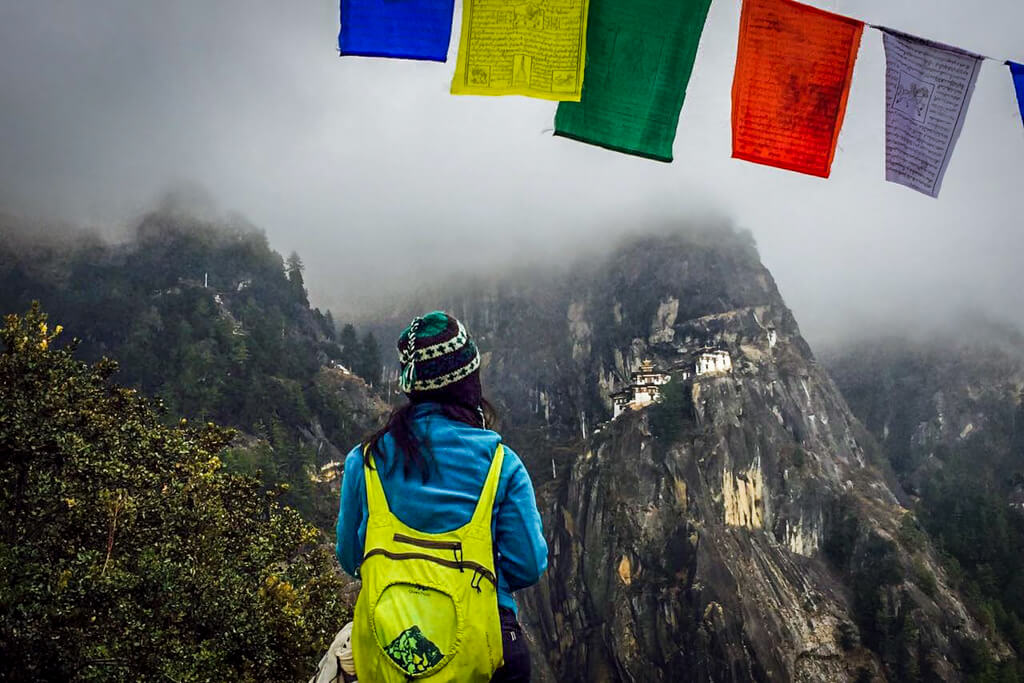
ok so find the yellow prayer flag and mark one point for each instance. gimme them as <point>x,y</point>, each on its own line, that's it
<point>522,47</point>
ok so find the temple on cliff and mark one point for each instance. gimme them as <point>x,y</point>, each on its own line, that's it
<point>713,361</point>
<point>643,390</point>
<point>645,385</point>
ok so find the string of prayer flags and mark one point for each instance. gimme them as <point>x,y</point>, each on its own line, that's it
<point>793,73</point>
<point>928,89</point>
<point>410,29</point>
<point>1017,71</point>
<point>640,55</point>
<point>510,47</point>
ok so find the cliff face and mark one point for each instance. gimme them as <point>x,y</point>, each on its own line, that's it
<point>735,531</point>
<point>948,410</point>
<point>931,401</point>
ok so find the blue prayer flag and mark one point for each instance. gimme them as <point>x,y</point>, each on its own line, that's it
<point>1018,81</point>
<point>407,29</point>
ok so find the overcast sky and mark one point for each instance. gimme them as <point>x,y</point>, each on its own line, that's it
<point>377,176</point>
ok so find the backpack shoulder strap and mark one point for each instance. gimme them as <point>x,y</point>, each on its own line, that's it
<point>481,520</point>
<point>376,501</point>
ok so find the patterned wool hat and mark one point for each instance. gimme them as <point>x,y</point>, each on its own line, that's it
<point>435,351</point>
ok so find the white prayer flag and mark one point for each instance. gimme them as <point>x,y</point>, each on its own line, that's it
<point>928,90</point>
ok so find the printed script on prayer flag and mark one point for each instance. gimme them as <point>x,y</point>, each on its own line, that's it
<point>410,29</point>
<point>1017,71</point>
<point>793,73</point>
<point>928,89</point>
<point>640,55</point>
<point>511,47</point>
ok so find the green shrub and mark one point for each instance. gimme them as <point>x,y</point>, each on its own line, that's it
<point>924,578</point>
<point>670,416</point>
<point>127,552</point>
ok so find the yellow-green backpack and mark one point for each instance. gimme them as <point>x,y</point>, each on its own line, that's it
<point>428,607</point>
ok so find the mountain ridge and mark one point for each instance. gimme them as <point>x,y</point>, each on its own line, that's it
<point>746,527</point>
<point>204,315</point>
<point>756,482</point>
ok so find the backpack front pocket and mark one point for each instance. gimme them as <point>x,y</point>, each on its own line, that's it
<point>416,627</point>
<point>454,546</point>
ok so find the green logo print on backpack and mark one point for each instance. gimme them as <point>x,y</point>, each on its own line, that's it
<point>428,608</point>
<point>413,652</point>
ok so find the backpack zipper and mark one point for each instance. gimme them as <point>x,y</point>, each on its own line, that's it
<point>454,546</point>
<point>436,545</point>
<point>478,569</point>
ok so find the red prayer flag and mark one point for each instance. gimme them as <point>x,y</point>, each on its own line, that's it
<point>793,74</point>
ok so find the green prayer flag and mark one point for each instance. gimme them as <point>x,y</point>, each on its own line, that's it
<point>640,54</point>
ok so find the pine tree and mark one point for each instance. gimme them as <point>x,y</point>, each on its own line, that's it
<point>349,342</point>
<point>369,366</point>
<point>332,329</point>
<point>294,268</point>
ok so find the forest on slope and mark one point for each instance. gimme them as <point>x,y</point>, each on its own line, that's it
<point>948,412</point>
<point>206,317</point>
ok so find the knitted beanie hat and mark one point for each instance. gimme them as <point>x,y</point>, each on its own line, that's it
<point>435,351</point>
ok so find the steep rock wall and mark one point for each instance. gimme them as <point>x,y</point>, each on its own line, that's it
<point>688,540</point>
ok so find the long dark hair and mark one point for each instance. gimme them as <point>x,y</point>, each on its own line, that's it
<point>462,401</point>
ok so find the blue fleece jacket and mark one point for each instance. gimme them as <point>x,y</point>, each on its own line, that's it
<point>461,457</point>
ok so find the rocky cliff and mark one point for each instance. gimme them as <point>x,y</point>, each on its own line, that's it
<point>737,530</point>
<point>946,406</point>
<point>954,392</point>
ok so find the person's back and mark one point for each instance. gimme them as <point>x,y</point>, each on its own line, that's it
<point>430,465</point>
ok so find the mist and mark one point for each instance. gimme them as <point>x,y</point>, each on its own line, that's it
<point>382,181</point>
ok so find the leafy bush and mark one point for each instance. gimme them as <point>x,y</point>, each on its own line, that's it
<point>924,578</point>
<point>127,552</point>
<point>911,536</point>
<point>670,416</point>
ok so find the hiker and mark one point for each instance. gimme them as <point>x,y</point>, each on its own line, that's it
<point>439,520</point>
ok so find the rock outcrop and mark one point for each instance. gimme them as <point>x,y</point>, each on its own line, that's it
<point>734,531</point>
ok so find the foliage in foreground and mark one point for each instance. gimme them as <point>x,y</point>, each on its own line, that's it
<point>127,552</point>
